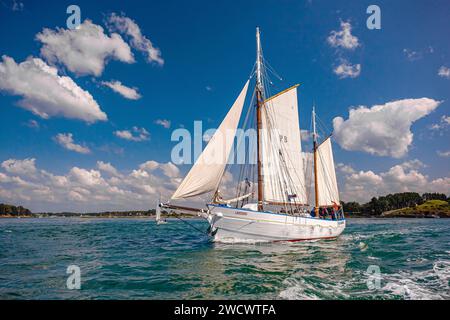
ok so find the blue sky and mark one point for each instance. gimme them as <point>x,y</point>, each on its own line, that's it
<point>208,50</point>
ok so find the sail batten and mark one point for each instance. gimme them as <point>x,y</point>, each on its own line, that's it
<point>207,171</point>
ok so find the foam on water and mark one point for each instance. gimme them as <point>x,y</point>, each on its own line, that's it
<point>430,284</point>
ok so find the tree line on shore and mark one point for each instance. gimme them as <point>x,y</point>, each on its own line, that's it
<point>10,210</point>
<point>376,206</point>
<point>7,209</point>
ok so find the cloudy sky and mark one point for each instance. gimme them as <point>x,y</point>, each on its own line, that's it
<point>87,114</point>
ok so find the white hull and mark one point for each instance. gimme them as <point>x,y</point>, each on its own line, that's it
<point>241,225</point>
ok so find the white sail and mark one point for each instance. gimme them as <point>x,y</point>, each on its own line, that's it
<point>158,213</point>
<point>283,172</point>
<point>208,170</point>
<point>326,175</point>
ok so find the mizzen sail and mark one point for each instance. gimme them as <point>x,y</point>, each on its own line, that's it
<point>208,170</point>
<point>326,175</point>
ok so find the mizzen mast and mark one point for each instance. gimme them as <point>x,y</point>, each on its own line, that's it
<point>259,104</point>
<point>316,184</point>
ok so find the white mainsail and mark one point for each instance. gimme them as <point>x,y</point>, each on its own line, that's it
<point>326,175</point>
<point>284,176</point>
<point>208,170</point>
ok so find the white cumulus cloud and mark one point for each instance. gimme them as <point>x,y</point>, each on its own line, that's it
<point>343,38</point>
<point>126,92</point>
<point>45,93</point>
<point>164,123</point>
<point>444,72</point>
<point>341,167</point>
<point>362,185</point>
<point>108,168</point>
<point>129,27</point>
<point>445,154</point>
<point>347,70</point>
<point>84,50</point>
<point>25,167</point>
<point>383,130</point>
<point>412,55</point>
<point>66,141</point>
<point>169,169</point>
<point>136,134</point>
<point>87,189</point>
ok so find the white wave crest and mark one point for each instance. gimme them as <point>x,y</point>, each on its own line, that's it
<point>421,285</point>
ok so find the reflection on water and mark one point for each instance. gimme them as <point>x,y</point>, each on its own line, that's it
<point>135,259</point>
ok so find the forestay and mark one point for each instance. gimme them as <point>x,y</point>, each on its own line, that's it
<point>208,170</point>
<point>284,177</point>
<point>326,175</point>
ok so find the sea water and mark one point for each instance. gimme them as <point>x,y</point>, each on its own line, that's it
<point>136,259</point>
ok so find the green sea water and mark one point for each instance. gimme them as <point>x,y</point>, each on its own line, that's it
<point>136,259</point>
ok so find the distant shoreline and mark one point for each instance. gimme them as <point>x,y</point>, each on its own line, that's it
<point>88,216</point>
<point>407,205</point>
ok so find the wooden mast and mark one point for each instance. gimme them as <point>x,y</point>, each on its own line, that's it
<point>259,105</point>
<point>316,185</point>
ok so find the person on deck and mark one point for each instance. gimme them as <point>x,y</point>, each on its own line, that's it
<point>325,213</point>
<point>321,213</point>
<point>335,210</point>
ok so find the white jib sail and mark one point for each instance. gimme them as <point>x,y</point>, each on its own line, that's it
<point>283,172</point>
<point>208,170</point>
<point>326,175</point>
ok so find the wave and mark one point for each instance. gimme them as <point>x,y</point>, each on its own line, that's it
<point>421,285</point>
<point>430,284</point>
<point>308,289</point>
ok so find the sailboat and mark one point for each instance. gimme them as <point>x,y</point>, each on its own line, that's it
<point>158,216</point>
<point>272,201</point>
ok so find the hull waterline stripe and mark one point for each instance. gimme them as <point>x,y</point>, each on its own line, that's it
<point>298,240</point>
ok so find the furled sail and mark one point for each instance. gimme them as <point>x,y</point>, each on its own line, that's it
<point>283,172</point>
<point>326,175</point>
<point>208,170</point>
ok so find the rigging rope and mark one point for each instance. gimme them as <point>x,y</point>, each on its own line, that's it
<point>192,226</point>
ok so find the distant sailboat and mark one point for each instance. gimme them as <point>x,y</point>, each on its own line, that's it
<point>280,210</point>
<point>158,216</point>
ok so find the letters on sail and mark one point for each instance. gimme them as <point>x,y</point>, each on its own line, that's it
<point>284,176</point>
<point>326,175</point>
<point>206,173</point>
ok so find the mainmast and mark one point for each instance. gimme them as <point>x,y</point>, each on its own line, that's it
<point>316,185</point>
<point>259,104</point>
